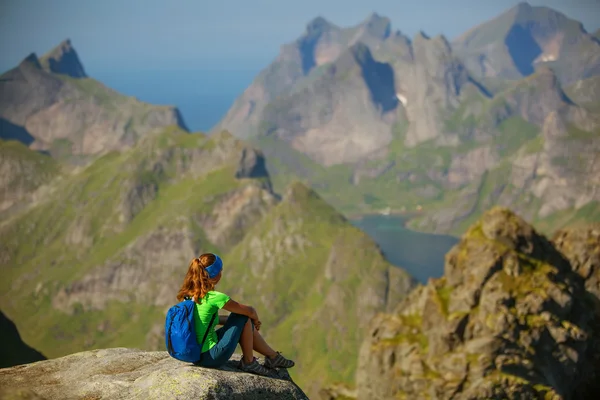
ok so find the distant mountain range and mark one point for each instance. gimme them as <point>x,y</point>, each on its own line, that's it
<point>105,198</point>
<point>508,113</point>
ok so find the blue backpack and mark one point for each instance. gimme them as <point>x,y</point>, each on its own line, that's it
<point>180,332</point>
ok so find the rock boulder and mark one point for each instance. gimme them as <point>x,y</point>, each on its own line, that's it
<point>121,373</point>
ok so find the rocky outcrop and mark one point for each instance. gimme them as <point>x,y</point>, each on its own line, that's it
<point>13,351</point>
<point>581,246</point>
<point>61,111</point>
<point>509,319</point>
<point>126,373</point>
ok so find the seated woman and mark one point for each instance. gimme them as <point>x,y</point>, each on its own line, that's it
<point>241,326</point>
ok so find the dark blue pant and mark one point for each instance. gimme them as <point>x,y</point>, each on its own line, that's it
<point>228,337</point>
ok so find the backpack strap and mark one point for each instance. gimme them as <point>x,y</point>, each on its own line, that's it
<point>206,333</point>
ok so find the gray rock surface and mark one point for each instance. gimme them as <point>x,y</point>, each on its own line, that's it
<point>121,373</point>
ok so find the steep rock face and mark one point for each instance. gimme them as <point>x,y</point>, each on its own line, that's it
<point>321,43</point>
<point>342,116</point>
<point>125,373</point>
<point>553,174</point>
<point>509,319</point>
<point>432,87</point>
<point>581,246</point>
<point>13,351</point>
<point>469,166</point>
<point>513,44</point>
<point>59,110</point>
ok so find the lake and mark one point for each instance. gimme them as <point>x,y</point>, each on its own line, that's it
<point>421,254</point>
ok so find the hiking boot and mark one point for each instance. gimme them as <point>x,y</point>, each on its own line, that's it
<point>254,368</point>
<point>278,361</point>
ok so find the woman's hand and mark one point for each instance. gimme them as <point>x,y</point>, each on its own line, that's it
<point>254,318</point>
<point>257,324</point>
<point>235,307</point>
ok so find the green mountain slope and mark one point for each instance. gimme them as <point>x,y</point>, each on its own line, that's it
<point>317,288</point>
<point>97,261</point>
<point>22,171</point>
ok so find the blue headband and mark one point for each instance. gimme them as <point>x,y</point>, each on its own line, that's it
<point>216,267</point>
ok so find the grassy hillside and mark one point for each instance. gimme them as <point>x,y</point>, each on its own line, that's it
<point>23,171</point>
<point>98,261</point>
<point>317,288</point>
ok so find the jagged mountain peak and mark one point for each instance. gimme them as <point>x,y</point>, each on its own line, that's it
<point>319,25</point>
<point>63,59</point>
<point>502,225</point>
<point>31,59</point>
<point>512,44</point>
<point>377,25</point>
<point>398,34</point>
<point>422,38</point>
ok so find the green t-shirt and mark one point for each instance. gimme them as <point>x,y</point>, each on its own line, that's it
<point>210,304</point>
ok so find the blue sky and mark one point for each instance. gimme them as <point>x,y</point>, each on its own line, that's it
<point>219,35</point>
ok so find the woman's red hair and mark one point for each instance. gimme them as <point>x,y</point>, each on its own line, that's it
<point>197,282</point>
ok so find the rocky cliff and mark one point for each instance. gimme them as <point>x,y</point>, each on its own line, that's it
<point>119,373</point>
<point>510,318</point>
<point>51,105</point>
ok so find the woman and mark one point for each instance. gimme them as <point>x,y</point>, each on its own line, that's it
<point>241,326</point>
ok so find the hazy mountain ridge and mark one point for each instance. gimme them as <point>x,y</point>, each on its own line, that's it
<point>50,104</point>
<point>426,127</point>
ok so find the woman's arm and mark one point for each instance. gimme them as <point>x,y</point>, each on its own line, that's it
<point>222,319</point>
<point>235,307</point>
